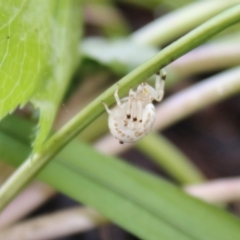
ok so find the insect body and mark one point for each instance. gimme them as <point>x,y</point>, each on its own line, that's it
<point>133,116</point>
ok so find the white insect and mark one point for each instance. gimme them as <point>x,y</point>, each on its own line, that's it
<point>133,116</point>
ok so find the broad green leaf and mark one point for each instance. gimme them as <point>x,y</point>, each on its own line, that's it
<point>38,54</point>
<point>143,204</point>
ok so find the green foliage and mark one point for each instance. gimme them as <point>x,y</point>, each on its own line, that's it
<point>144,204</point>
<point>38,52</point>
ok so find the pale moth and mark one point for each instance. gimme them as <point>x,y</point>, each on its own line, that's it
<point>133,116</point>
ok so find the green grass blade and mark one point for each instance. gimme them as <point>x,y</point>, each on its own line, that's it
<point>36,162</point>
<point>141,203</point>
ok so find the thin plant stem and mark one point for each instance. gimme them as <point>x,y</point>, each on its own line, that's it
<point>31,198</point>
<point>183,104</point>
<point>207,58</point>
<point>37,161</point>
<point>55,225</point>
<point>169,27</point>
<point>225,190</point>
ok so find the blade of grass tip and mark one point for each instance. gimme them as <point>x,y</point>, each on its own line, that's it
<point>171,159</point>
<point>37,161</point>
